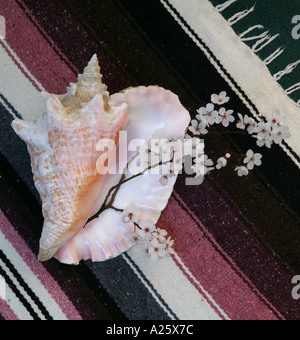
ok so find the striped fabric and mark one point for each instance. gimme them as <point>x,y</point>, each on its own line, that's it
<point>237,241</point>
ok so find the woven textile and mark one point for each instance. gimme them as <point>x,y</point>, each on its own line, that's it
<point>237,240</point>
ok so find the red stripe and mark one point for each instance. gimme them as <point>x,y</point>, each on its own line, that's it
<point>6,312</point>
<point>215,275</point>
<point>195,284</point>
<point>38,269</point>
<point>42,62</point>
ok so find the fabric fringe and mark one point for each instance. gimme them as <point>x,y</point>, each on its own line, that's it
<point>239,16</point>
<point>242,35</point>
<point>261,41</point>
<point>274,55</point>
<point>222,7</point>
<point>293,89</point>
<point>289,69</point>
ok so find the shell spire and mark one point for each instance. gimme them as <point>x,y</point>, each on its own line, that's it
<point>91,79</point>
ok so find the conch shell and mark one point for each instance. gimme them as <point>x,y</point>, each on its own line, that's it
<point>63,153</point>
<point>62,144</point>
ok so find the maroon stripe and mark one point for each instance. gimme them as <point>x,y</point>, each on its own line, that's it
<point>26,41</point>
<point>238,242</point>
<point>6,312</point>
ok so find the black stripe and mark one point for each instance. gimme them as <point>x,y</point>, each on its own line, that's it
<point>12,286</point>
<point>129,292</point>
<point>25,286</point>
<point>16,113</point>
<point>151,286</point>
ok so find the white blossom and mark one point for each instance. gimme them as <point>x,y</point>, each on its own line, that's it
<point>242,171</point>
<point>221,163</point>
<point>220,99</point>
<point>280,133</point>
<point>253,159</point>
<point>265,142</point>
<point>169,246</point>
<point>193,147</point>
<point>164,181</point>
<point>156,249</point>
<point>274,119</point>
<point>263,131</point>
<point>131,214</point>
<point>246,122</point>
<point>225,117</point>
<point>198,128</point>
<point>146,230</point>
<point>160,234</point>
<point>207,115</point>
<point>203,165</point>
<point>134,238</point>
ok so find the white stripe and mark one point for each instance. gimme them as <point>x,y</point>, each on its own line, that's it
<point>16,306</point>
<point>148,287</point>
<point>18,60</point>
<point>22,291</point>
<point>18,90</point>
<point>237,57</point>
<point>197,283</point>
<point>32,281</point>
<point>174,287</point>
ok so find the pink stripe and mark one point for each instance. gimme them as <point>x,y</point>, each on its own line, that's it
<point>6,311</point>
<point>214,274</point>
<point>205,296</point>
<point>22,36</point>
<point>38,269</point>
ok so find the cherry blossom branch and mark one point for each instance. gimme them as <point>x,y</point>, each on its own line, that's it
<point>113,192</point>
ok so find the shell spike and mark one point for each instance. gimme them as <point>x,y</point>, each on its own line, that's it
<point>20,126</point>
<point>94,106</point>
<point>55,106</point>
